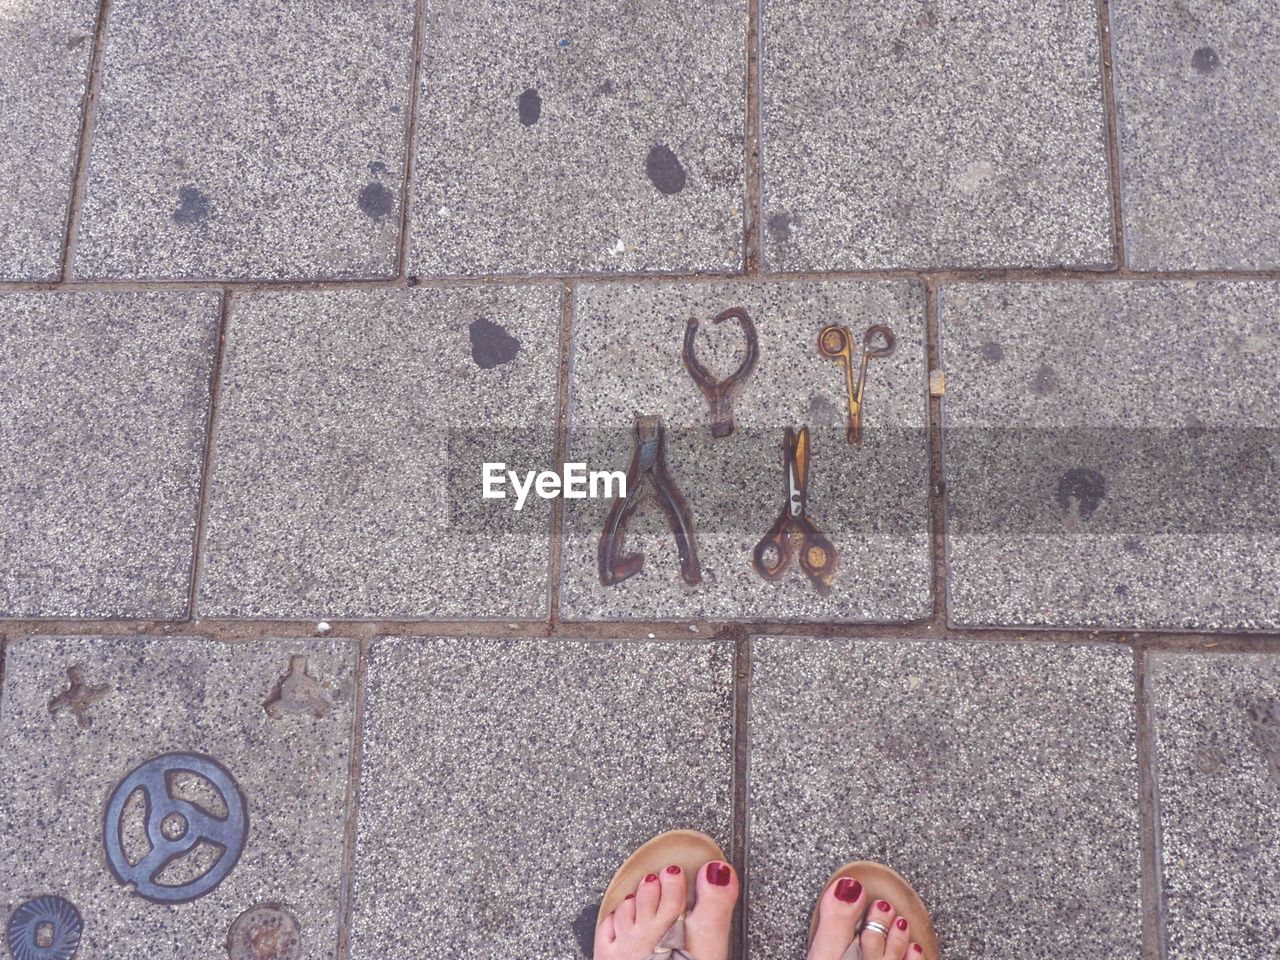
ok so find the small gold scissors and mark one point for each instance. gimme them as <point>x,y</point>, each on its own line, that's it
<point>793,526</point>
<point>836,342</point>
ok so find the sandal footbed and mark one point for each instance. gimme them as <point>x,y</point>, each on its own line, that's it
<point>883,883</point>
<point>688,849</point>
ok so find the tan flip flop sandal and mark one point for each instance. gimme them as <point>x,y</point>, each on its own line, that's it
<point>882,883</point>
<point>687,849</point>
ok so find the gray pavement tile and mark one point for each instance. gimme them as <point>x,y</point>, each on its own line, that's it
<point>1111,454</point>
<point>1198,98</point>
<point>1001,781</point>
<point>502,782</point>
<point>143,698</point>
<point>580,136</point>
<point>1216,723</point>
<point>351,434</point>
<point>45,47</point>
<point>249,140</point>
<point>104,401</point>
<point>871,502</point>
<point>946,133</point>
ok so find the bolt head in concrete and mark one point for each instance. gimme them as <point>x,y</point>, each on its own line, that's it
<point>580,136</point>
<point>1111,454</point>
<point>104,401</point>
<point>347,467</point>
<point>249,141</point>
<point>162,696</point>
<point>943,134</point>
<point>871,501</point>
<point>504,781</point>
<point>1001,781</point>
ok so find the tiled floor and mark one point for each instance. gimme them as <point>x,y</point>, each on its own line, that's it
<point>278,279</point>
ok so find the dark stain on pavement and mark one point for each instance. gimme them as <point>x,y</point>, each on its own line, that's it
<point>193,206</point>
<point>491,344</point>
<point>1045,381</point>
<point>1085,488</point>
<point>664,169</point>
<point>1264,722</point>
<point>1205,60</point>
<point>377,201</point>
<point>584,929</point>
<point>530,106</point>
<point>991,350</point>
<point>779,226</point>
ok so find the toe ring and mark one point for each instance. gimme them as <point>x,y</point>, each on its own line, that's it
<point>879,928</point>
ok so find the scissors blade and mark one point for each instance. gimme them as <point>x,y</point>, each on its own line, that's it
<point>798,473</point>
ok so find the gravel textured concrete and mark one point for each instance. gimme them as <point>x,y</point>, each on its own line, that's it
<point>161,696</point>
<point>1198,96</point>
<point>348,456</point>
<point>1217,740</point>
<point>1112,454</point>
<point>871,502</point>
<point>502,783</point>
<point>45,47</point>
<point>104,401</point>
<point>932,134</point>
<point>580,136</point>
<point>1001,781</point>
<point>249,139</point>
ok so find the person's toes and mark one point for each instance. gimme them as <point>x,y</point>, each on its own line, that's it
<point>707,926</point>
<point>839,910</point>
<point>647,896</point>
<point>873,940</point>
<point>674,897</point>
<point>605,936</point>
<point>624,917</point>
<point>898,941</point>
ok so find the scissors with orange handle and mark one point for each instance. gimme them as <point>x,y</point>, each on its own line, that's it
<point>793,531</point>
<point>836,342</point>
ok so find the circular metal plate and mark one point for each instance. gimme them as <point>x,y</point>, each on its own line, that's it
<point>265,932</point>
<point>60,936</point>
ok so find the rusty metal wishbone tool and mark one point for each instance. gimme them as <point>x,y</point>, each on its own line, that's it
<point>649,461</point>
<point>836,343</point>
<point>719,393</point>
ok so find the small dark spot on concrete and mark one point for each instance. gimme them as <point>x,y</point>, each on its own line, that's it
<point>530,106</point>
<point>584,929</point>
<point>377,201</point>
<point>1045,381</point>
<point>377,168</point>
<point>1264,719</point>
<point>491,344</point>
<point>898,48</point>
<point>394,108</point>
<point>991,350</point>
<point>664,169</point>
<point>193,206</point>
<point>1205,60</point>
<point>1195,427</point>
<point>1134,546</point>
<point>1083,486</point>
<point>1121,590</point>
<point>413,279</point>
<point>779,227</point>
<point>76,40</point>
<point>606,89</point>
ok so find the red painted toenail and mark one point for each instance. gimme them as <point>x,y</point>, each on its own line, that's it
<point>651,878</point>
<point>673,869</point>
<point>883,906</point>
<point>719,874</point>
<point>848,890</point>
<point>901,923</point>
<point>629,896</point>
<point>917,948</point>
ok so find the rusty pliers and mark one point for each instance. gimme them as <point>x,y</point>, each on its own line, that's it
<point>648,462</point>
<point>719,393</point>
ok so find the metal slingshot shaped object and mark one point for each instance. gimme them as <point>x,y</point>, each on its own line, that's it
<point>648,463</point>
<point>836,343</point>
<point>719,393</point>
<point>175,827</point>
<point>793,532</point>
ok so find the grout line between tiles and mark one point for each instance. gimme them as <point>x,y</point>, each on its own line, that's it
<point>741,784</point>
<point>753,212</point>
<point>937,474</point>
<point>346,896</point>
<point>1112,131</point>
<point>556,560</point>
<point>411,142</point>
<point>88,111</point>
<point>1154,942</point>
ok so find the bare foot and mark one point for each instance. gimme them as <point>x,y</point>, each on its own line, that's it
<point>843,905</point>
<point>640,922</point>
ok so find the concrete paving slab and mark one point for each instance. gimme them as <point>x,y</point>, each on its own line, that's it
<point>1198,98</point>
<point>45,47</point>
<point>1216,723</point>
<point>502,782</point>
<point>1112,454</point>
<point>141,698</point>
<point>104,402</point>
<point>580,136</point>
<point>249,140</point>
<point>870,502</point>
<point>1001,781</point>
<point>352,431</point>
<point>939,134</point>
